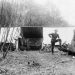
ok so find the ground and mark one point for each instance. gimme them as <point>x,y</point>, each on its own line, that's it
<point>21,63</point>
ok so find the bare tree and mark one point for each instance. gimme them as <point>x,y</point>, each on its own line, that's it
<point>33,15</point>
<point>7,19</point>
<point>7,14</point>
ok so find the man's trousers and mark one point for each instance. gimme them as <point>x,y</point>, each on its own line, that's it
<point>53,44</point>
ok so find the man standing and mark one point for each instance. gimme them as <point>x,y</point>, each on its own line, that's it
<point>54,38</point>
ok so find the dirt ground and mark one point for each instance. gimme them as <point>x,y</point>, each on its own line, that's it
<point>37,63</point>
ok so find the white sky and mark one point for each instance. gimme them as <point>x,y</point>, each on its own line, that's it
<point>65,33</point>
<point>66,8</point>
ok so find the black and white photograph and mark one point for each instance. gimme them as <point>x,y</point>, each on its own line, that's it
<point>37,51</point>
<point>37,37</point>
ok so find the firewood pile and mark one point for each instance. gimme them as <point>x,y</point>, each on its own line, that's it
<point>67,48</point>
<point>46,48</point>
